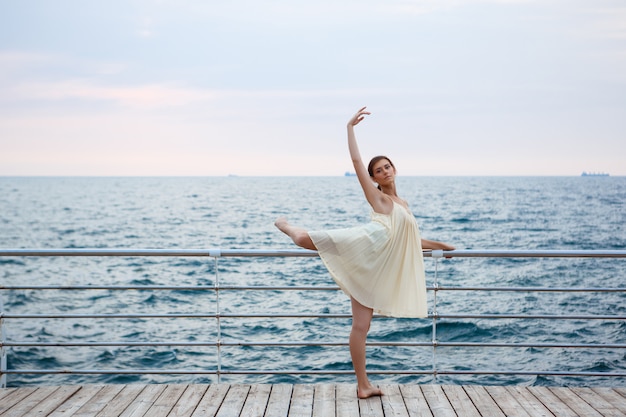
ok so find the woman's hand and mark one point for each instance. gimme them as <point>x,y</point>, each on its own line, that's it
<point>356,119</point>
<point>445,246</point>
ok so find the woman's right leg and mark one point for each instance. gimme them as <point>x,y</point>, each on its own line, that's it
<point>299,235</point>
<point>361,319</point>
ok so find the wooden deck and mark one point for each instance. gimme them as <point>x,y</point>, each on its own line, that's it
<point>325,400</point>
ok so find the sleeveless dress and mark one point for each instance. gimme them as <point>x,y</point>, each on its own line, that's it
<point>380,264</point>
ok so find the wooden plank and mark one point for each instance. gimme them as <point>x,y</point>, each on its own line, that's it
<point>551,401</point>
<point>437,401</point>
<point>15,397</point>
<point>613,397</point>
<point>414,401</point>
<point>122,400</point>
<point>575,402</point>
<point>53,401</point>
<point>371,407</point>
<point>256,403</point>
<point>483,402</point>
<point>211,401</point>
<point>98,401</point>
<point>460,401</point>
<point>233,401</point>
<point>188,402</point>
<point>528,401</point>
<point>347,402</point>
<point>602,406</point>
<point>506,401</point>
<point>75,402</point>
<point>301,401</point>
<point>278,403</point>
<point>165,402</point>
<point>28,403</point>
<point>5,392</point>
<point>621,391</point>
<point>392,402</point>
<point>324,400</point>
<point>143,401</point>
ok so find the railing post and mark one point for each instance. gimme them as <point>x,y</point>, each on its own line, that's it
<point>216,254</point>
<point>3,353</point>
<point>436,255</point>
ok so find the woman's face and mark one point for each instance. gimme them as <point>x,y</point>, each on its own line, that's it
<point>383,172</point>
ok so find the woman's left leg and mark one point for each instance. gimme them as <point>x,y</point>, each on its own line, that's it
<point>299,235</point>
<point>361,319</point>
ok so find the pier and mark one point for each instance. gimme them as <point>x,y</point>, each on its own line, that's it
<point>323,400</point>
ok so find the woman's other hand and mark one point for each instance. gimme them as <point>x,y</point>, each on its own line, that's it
<point>360,115</point>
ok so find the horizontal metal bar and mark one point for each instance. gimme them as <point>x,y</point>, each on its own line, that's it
<point>168,288</point>
<point>531,373</point>
<point>532,345</point>
<point>529,289</point>
<point>113,371</point>
<point>281,288</point>
<point>424,372</point>
<point>535,253</point>
<point>307,372</point>
<point>303,316</point>
<point>529,316</point>
<point>328,344</point>
<point>194,344</point>
<point>161,252</point>
<point>305,253</point>
<point>173,316</point>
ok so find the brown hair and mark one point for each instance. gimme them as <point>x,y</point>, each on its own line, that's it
<point>370,167</point>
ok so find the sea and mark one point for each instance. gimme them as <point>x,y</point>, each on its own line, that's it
<point>232,212</point>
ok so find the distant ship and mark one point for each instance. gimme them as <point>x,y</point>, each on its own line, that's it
<point>594,174</point>
<point>349,174</point>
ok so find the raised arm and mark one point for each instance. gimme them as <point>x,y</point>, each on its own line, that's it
<point>379,202</point>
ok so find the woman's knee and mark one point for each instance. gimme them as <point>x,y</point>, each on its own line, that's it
<point>361,326</point>
<point>361,317</point>
<point>303,240</point>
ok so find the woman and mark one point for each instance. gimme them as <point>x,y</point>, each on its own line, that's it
<point>380,264</point>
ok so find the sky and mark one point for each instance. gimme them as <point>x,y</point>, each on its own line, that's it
<point>252,87</point>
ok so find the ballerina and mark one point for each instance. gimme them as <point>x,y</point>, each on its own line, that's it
<point>379,265</point>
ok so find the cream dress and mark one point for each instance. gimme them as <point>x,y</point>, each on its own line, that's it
<point>379,264</point>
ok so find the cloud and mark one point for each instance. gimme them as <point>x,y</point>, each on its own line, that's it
<point>22,82</point>
<point>145,27</point>
<point>606,23</point>
<point>138,96</point>
<point>14,61</point>
<point>24,77</point>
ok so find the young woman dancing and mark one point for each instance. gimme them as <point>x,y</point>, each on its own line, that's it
<point>378,264</point>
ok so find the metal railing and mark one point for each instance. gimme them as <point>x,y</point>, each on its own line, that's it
<point>435,316</point>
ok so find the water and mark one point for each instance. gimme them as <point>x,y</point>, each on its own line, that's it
<point>238,213</point>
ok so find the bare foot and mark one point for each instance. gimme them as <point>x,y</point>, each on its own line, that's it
<point>370,391</point>
<point>282,224</point>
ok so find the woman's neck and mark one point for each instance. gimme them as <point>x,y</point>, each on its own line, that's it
<point>390,190</point>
